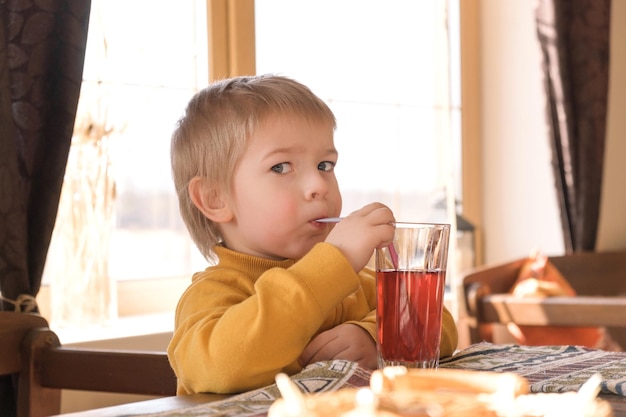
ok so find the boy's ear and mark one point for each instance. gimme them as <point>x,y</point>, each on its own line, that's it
<point>209,200</point>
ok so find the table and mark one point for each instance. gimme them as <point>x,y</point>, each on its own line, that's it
<point>547,369</point>
<point>159,405</point>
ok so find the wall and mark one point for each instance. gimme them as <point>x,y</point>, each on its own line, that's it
<point>520,208</point>
<point>612,228</point>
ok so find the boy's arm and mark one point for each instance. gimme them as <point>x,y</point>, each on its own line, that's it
<point>449,335</point>
<point>345,341</point>
<point>367,277</point>
<point>353,340</point>
<point>231,339</point>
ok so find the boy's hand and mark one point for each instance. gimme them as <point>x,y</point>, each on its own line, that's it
<point>345,341</point>
<point>364,230</point>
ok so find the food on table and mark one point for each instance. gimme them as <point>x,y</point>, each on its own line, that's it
<point>400,392</point>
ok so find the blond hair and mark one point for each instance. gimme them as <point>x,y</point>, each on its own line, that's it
<point>212,134</point>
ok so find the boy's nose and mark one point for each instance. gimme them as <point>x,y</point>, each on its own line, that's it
<point>316,187</point>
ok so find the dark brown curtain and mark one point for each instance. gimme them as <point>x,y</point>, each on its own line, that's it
<point>574,37</point>
<point>42,50</point>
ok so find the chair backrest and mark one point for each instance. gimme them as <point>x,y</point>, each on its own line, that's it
<point>45,367</point>
<point>13,329</point>
<point>599,279</point>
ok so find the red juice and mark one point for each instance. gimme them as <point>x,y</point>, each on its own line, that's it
<point>409,313</point>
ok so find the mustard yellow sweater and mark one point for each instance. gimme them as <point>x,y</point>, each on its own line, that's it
<point>248,318</point>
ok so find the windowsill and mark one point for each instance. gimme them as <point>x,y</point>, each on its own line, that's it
<point>145,317</point>
<point>145,307</point>
<point>120,333</point>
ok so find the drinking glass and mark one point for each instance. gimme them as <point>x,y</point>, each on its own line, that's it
<point>410,282</point>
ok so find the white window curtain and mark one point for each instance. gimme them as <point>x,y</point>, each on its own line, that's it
<point>118,216</point>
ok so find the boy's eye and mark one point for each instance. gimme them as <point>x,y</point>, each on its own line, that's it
<point>326,166</point>
<point>281,168</point>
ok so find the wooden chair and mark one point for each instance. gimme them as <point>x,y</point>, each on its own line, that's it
<point>13,329</point>
<point>31,350</point>
<point>599,279</point>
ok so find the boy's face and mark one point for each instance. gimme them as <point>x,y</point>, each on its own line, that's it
<point>285,180</point>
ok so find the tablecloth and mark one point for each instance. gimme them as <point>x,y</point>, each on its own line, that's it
<point>547,368</point>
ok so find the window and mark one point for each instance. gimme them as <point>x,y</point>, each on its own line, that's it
<point>385,74</point>
<point>390,74</point>
<point>138,77</point>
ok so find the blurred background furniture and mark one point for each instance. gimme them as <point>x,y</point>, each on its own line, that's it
<point>41,367</point>
<point>599,279</point>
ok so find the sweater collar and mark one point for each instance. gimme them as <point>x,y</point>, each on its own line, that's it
<point>231,259</point>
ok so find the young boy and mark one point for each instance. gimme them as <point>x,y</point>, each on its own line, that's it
<point>253,163</point>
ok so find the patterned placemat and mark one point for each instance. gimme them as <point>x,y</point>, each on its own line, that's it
<point>547,369</point>
<point>318,377</point>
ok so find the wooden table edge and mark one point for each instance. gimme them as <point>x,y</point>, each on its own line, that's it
<point>158,405</point>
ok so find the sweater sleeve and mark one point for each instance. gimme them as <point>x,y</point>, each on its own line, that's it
<point>449,335</point>
<point>234,334</point>
<point>367,278</point>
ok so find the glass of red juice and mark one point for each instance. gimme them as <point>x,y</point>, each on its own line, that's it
<point>410,281</point>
